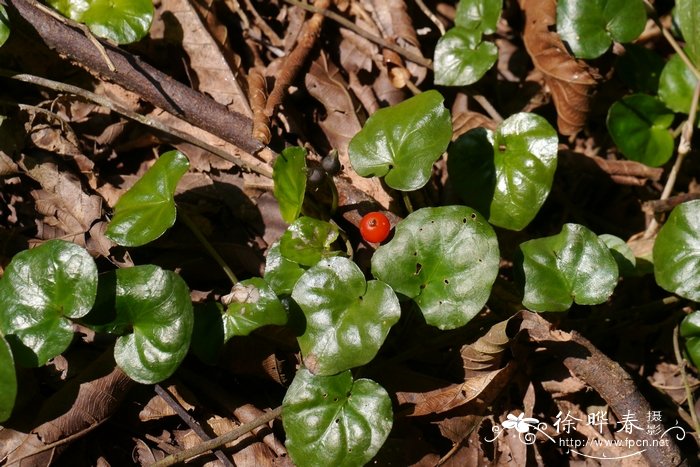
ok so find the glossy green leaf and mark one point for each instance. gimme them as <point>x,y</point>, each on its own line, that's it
<point>335,421</point>
<point>677,252</point>
<point>677,85</point>
<point>507,174</point>
<point>445,258</point>
<point>308,240</point>
<point>640,68</point>
<point>347,318</point>
<point>289,177</point>
<point>690,331</point>
<point>151,307</point>
<point>402,142</point>
<point>41,289</point>
<point>122,21</point>
<point>461,58</point>
<point>252,304</point>
<point>574,266</point>
<point>590,26</point>
<point>280,273</point>
<point>147,210</point>
<point>4,25</point>
<point>479,15</point>
<point>623,254</point>
<point>639,126</point>
<point>688,15</point>
<point>8,380</point>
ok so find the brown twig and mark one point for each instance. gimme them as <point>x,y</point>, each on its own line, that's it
<point>297,57</point>
<point>257,95</point>
<point>407,54</point>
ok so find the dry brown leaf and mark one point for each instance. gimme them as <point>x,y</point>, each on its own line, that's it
<point>213,73</point>
<point>570,81</point>
<point>157,407</point>
<point>62,199</point>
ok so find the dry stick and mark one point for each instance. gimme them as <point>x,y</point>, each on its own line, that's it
<point>490,109</point>
<point>191,422</point>
<point>150,122</point>
<point>407,54</point>
<point>136,75</point>
<point>219,440</point>
<point>684,148</point>
<point>684,377</point>
<point>297,57</point>
<point>436,21</point>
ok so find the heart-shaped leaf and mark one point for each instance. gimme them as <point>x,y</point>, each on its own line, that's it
<point>147,210</point>
<point>677,252</point>
<point>690,330</point>
<point>4,25</point>
<point>289,177</point>
<point>122,21</point>
<point>676,85</point>
<point>506,175</point>
<point>639,126</point>
<point>280,273</point>
<point>479,15</point>
<point>8,380</point>
<point>640,68</point>
<point>403,141</point>
<point>621,251</point>
<point>572,266</point>
<point>335,421</point>
<point>590,26</point>
<point>445,258</point>
<point>152,308</point>
<point>41,289</point>
<point>251,304</point>
<point>688,16</point>
<point>308,240</point>
<point>347,319</point>
<point>461,58</point>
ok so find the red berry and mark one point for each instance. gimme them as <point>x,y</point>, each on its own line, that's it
<point>375,227</point>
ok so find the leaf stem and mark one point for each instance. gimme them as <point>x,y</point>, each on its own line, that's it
<point>219,440</point>
<point>672,40</point>
<point>207,245</point>
<point>407,201</point>
<point>684,377</point>
<point>684,148</point>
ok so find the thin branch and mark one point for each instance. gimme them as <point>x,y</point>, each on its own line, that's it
<point>220,440</point>
<point>191,422</point>
<point>407,54</point>
<point>684,378</point>
<point>490,109</point>
<point>150,122</point>
<point>431,16</point>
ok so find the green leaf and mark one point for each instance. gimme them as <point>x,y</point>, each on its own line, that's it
<point>347,319</point>
<point>151,307</point>
<point>122,21</point>
<point>677,252</point>
<point>640,68</point>
<point>41,289</point>
<point>208,331</point>
<point>308,240</point>
<point>403,141</point>
<point>445,258</point>
<point>280,273</point>
<point>289,177</point>
<point>8,380</point>
<point>572,266</point>
<point>590,26</point>
<point>335,421</point>
<point>506,175</point>
<point>479,15</point>
<point>147,210</point>
<point>461,58</point>
<point>690,331</point>
<point>4,25</point>
<point>251,304</point>
<point>639,126</point>
<point>677,85</point>
<point>688,15</point>
<point>623,254</point>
